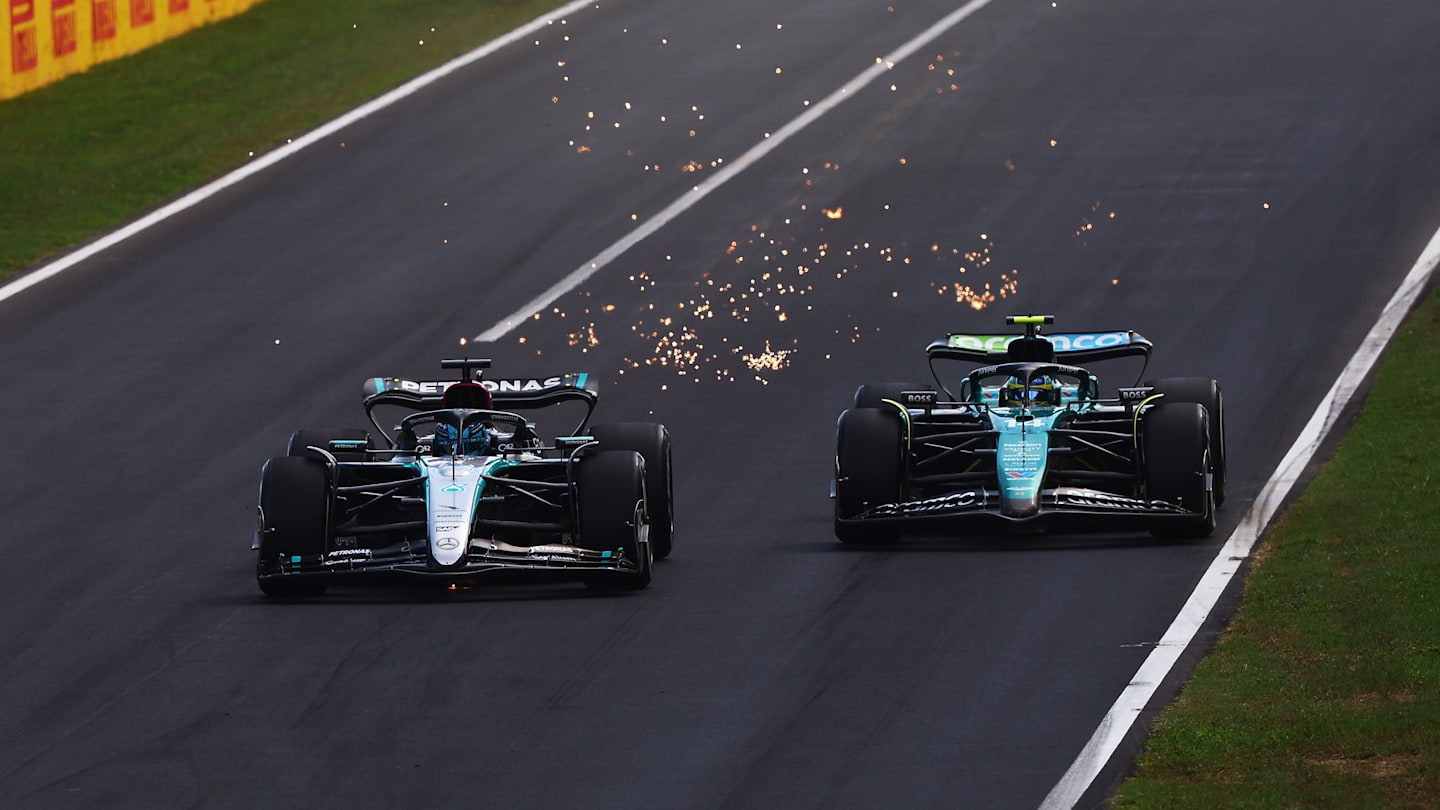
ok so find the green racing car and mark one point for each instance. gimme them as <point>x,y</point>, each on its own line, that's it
<point>1026,442</point>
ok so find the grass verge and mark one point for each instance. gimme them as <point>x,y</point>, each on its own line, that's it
<point>87,154</point>
<point>1325,689</point>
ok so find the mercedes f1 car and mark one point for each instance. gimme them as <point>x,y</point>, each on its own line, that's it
<point>464,487</point>
<point>1027,442</point>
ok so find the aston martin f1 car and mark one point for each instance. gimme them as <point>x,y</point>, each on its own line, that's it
<point>1026,442</point>
<point>464,487</point>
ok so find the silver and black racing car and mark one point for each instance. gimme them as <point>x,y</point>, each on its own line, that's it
<point>463,487</point>
<point>1026,441</point>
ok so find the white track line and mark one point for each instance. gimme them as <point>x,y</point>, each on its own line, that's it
<point>1222,570</point>
<point>195,197</point>
<point>767,145</point>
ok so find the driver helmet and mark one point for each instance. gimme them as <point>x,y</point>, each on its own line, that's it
<point>476,440</point>
<point>1043,391</point>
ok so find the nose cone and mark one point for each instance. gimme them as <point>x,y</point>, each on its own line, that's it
<point>1020,460</point>
<point>454,490</point>
<point>1018,505</point>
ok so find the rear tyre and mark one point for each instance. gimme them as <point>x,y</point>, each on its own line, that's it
<point>294,517</point>
<point>873,395</point>
<point>652,442</point>
<point>1176,442</point>
<point>869,470</point>
<point>610,486</point>
<point>1206,392</point>
<point>301,440</point>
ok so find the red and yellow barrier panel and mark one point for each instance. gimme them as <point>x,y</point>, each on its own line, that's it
<point>46,40</point>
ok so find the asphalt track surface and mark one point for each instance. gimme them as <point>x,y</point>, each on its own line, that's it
<point>1244,183</point>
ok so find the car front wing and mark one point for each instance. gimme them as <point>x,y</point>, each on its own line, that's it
<point>412,560</point>
<point>1060,507</point>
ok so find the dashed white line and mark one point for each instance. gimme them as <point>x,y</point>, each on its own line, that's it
<point>767,145</point>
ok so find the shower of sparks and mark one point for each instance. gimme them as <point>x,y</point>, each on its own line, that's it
<point>768,360</point>
<point>740,318</point>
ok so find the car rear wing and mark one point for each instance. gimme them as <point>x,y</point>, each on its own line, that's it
<point>1032,347</point>
<point>510,394</point>
<point>1067,347</point>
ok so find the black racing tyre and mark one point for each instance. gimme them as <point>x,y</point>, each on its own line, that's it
<point>1176,445</point>
<point>873,395</point>
<point>311,437</point>
<point>610,486</point>
<point>652,442</point>
<point>869,470</point>
<point>294,520</point>
<point>1206,392</point>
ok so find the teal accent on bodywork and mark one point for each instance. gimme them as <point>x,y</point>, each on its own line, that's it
<point>580,381</point>
<point>1022,449</point>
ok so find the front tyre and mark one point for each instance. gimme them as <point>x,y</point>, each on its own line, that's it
<point>294,520</point>
<point>1206,392</point>
<point>869,471</point>
<point>1176,443</point>
<point>610,487</point>
<point>652,442</point>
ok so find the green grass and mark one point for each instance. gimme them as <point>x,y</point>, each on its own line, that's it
<point>1325,689</point>
<point>87,154</point>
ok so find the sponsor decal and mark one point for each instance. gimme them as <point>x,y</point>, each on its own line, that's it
<point>447,543</point>
<point>63,25</point>
<point>513,386</point>
<point>522,386</point>
<point>1020,451</point>
<point>24,36</point>
<point>106,19</point>
<point>346,555</point>
<point>954,502</point>
<point>1135,394</point>
<point>454,489</point>
<point>920,399</point>
<point>423,387</point>
<point>1069,496</point>
<point>142,13</point>
<point>1023,455</point>
<point>1063,342</point>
